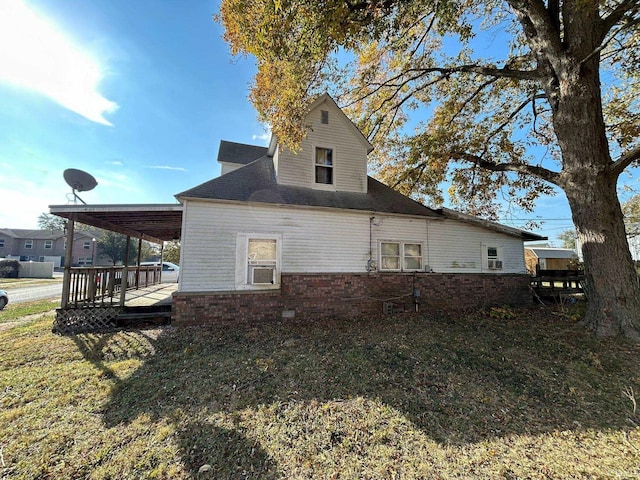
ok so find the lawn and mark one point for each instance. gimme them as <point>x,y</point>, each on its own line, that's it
<point>17,311</point>
<point>495,394</point>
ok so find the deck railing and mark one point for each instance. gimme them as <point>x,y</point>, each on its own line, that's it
<point>558,281</point>
<point>99,286</point>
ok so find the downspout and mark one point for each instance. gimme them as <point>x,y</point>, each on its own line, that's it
<point>66,281</point>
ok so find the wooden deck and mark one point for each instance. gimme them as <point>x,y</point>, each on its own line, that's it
<point>143,305</point>
<point>554,283</point>
<point>153,295</point>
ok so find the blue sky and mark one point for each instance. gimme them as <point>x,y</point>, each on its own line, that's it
<point>139,94</point>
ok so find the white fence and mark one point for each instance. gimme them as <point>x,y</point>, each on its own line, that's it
<point>36,270</point>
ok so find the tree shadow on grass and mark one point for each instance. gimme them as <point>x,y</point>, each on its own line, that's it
<point>459,380</point>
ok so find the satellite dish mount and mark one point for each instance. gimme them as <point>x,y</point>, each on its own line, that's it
<point>79,181</point>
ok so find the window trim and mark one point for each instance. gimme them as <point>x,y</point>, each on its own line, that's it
<point>402,256</point>
<point>498,257</point>
<point>1,242</point>
<point>314,165</point>
<point>48,244</point>
<point>86,245</point>
<point>244,267</point>
<point>28,244</point>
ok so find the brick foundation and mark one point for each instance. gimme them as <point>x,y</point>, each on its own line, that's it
<point>309,296</point>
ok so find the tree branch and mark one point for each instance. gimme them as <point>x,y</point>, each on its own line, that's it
<point>540,172</point>
<point>617,14</point>
<point>539,25</point>
<point>513,114</point>
<point>625,160</point>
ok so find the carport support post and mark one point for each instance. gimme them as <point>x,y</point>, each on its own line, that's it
<point>138,263</point>
<point>66,281</point>
<point>125,272</point>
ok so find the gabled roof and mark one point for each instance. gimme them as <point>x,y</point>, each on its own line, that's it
<point>232,152</point>
<point>326,98</point>
<point>552,252</point>
<point>31,234</point>
<point>498,227</point>
<point>256,182</point>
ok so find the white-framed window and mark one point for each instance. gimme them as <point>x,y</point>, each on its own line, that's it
<point>28,244</point>
<point>85,261</point>
<point>323,166</point>
<point>401,256</point>
<point>48,244</point>
<point>258,261</point>
<point>492,257</point>
<point>86,245</point>
<point>1,242</point>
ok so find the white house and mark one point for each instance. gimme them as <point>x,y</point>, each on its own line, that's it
<point>309,234</point>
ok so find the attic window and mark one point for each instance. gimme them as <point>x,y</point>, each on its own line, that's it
<point>324,116</point>
<point>324,166</point>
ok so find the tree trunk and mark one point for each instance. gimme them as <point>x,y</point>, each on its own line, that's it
<point>589,182</point>
<point>611,284</point>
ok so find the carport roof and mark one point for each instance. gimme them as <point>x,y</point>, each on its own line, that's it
<point>153,222</point>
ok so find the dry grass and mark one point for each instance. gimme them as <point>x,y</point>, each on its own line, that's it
<point>495,394</point>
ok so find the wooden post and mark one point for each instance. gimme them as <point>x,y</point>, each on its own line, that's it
<point>125,272</point>
<point>138,263</point>
<point>161,260</point>
<point>66,281</point>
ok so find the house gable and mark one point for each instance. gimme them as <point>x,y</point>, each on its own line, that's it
<point>332,156</point>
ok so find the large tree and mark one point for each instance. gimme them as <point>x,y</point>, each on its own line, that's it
<point>549,101</point>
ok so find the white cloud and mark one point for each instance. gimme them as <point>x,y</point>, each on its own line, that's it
<point>166,167</point>
<point>264,138</point>
<point>35,55</point>
<point>115,163</point>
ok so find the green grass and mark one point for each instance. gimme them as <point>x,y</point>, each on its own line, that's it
<point>496,394</point>
<point>9,283</point>
<point>16,311</point>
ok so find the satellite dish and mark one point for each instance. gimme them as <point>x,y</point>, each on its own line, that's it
<point>79,181</point>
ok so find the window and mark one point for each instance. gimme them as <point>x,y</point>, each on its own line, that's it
<point>493,255</point>
<point>258,261</point>
<point>41,258</point>
<point>324,116</point>
<point>324,166</point>
<point>400,256</point>
<point>86,245</point>
<point>262,261</point>
<point>48,244</point>
<point>85,261</point>
<point>1,242</point>
<point>28,244</point>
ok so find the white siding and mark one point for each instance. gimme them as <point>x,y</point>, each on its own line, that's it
<point>457,247</point>
<point>331,241</point>
<point>312,241</point>
<point>226,167</point>
<point>349,153</point>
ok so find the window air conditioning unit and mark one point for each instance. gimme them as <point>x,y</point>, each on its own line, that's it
<point>262,275</point>
<point>495,264</point>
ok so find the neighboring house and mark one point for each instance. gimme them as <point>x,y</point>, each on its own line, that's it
<point>546,258</point>
<point>47,246</point>
<point>310,235</point>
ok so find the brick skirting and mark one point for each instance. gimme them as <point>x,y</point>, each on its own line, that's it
<point>309,296</point>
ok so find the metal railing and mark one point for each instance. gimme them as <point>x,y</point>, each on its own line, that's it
<point>100,286</point>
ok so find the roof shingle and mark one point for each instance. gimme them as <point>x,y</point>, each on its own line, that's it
<point>256,182</point>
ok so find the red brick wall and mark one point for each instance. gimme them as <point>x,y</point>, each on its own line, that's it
<point>341,295</point>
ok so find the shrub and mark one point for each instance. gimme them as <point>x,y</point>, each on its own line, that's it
<point>9,268</point>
